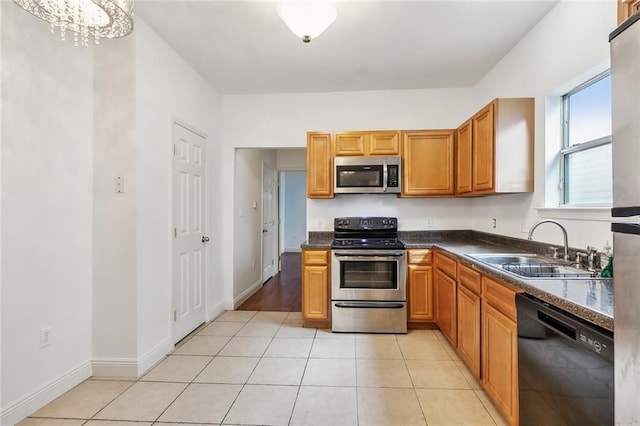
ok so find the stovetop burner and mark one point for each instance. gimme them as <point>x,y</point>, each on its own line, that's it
<point>367,233</point>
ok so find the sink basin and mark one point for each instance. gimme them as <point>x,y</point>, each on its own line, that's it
<point>529,265</point>
<point>498,259</point>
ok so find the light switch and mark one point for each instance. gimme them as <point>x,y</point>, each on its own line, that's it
<point>119,185</point>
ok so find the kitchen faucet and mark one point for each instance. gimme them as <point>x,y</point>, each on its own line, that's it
<point>564,234</point>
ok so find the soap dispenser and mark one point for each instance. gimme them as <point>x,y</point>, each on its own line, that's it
<point>607,259</point>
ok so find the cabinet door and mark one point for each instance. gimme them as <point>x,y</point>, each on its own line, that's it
<point>627,8</point>
<point>483,135</point>
<point>319,166</point>
<point>350,143</point>
<point>428,163</point>
<point>315,292</point>
<point>469,329</point>
<point>383,143</point>
<point>445,299</point>
<point>420,293</point>
<point>500,361</point>
<point>464,159</point>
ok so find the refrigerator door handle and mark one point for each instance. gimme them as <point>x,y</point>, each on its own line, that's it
<point>626,228</point>
<point>625,211</point>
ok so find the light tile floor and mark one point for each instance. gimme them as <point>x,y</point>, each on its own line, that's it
<point>263,368</point>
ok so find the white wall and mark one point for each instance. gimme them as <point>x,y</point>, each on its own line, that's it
<point>570,43</point>
<point>47,166</point>
<point>114,243</point>
<point>168,89</point>
<point>293,210</point>
<point>569,46</point>
<point>282,121</point>
<point>291,159</point>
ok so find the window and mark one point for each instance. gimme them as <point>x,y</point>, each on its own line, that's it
<point>586,172</point>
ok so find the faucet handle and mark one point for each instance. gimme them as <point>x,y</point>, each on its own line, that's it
<point>554,251</point>
<point>579,256</point>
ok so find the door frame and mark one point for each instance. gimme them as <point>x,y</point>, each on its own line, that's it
<point>206,228</point>
<point>276,219</point>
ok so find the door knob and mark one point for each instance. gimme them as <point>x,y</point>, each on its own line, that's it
<point>264,231</point>
<point>205,239</point>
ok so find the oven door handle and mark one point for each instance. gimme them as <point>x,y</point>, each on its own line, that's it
<point>367,305</point>
<point>365,258</point>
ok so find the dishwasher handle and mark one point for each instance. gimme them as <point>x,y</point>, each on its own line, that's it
<point>588,336</point>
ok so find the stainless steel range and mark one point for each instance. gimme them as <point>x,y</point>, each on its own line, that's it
<point>368,278</point>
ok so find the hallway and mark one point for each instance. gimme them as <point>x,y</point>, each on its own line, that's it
<point>282,292</point>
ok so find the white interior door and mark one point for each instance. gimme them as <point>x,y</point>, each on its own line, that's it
<point>269,228</point>
<point>189,231</point>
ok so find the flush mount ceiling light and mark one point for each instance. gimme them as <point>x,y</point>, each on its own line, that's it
<point>84,18</point>
<point>307,18</point>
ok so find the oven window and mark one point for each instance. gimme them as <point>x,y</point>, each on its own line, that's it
<point>369,275</point>
<point>359,176</point>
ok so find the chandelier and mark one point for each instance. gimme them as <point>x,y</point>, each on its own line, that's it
<point>307,18</point>
<point>86,19</point>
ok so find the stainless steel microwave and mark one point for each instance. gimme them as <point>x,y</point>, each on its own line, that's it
<point>367,175</point>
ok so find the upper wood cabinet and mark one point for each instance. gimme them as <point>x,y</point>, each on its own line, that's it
<point>319,165</point>
<point>627,8</point>
<point>367,143</point>
<point>463,158</point>
<point>495,149</point>
<point>428,157</point>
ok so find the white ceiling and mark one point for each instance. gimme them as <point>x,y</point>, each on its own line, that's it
<point>244,47</point>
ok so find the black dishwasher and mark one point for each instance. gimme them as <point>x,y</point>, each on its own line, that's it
<point>565,367</point>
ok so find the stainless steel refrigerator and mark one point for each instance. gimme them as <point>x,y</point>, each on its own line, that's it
<point>625,80</point>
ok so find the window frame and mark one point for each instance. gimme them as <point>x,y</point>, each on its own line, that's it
<point>566,151</point>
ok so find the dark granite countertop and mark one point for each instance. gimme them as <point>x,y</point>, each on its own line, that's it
<point>589,299</point>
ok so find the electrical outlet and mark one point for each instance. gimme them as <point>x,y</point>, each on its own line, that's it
<point>494,223</point>
<point>428,222</point>
<point>524,227</point>
<point>253,264</point>
<point>45,337</point>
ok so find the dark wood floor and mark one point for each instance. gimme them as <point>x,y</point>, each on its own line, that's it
<point>282,292</point>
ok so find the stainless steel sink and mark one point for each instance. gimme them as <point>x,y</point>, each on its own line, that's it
<point>531,266</point>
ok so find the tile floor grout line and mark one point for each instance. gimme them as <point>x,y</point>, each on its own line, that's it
<point>245,382</point>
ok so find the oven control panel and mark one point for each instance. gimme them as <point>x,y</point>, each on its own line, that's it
<point>364,223</point>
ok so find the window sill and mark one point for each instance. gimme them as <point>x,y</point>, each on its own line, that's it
<point>600,214</point>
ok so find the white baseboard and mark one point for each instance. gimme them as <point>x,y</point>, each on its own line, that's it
<point>115,367</point>
<point>131,367</point>
<point>18,410</point>
<point>216,310</point>
<point>247,293</point>
<point>151,358</point>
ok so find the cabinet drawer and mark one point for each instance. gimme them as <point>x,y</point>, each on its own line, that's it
<point>420,256</point>
<point>500,296</point>
<point>315,257</point>
<point>469,278</point>
<point>446,265</point>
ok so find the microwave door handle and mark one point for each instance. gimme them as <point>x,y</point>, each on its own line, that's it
<point>384,177</point>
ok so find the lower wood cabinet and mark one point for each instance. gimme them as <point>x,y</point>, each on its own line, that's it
<point>316,288</point>
<point>500,347</point>
<point>420,286</point>
<point>445,296</point>
<point>469,329</point>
